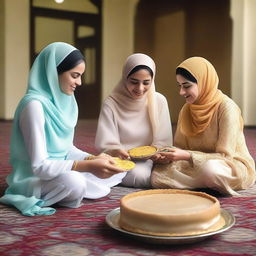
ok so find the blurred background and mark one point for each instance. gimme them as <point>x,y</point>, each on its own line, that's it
<point>108,31</point>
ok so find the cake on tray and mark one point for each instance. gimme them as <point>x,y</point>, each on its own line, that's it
<point>170,212</point>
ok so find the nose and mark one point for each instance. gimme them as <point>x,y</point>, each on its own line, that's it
<point>182,91</point>
<point>141,87</point>
<point>79,81</point>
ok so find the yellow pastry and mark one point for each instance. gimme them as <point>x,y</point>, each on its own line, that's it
<point>124,164</point>
<point>143,151</point>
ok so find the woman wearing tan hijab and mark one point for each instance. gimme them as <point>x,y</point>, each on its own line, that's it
<point>210,149</point>
<point>133,115</point>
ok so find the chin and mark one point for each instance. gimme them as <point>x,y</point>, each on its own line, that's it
<point>136,97</point>
<point>69,93</point>
<point>189,101</point>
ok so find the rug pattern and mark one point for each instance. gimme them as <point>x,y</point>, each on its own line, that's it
<point>83,231</point>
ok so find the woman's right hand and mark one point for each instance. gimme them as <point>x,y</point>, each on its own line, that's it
<point>159,159</point>
<point>176,154</point>
<point>103,168</point>
<point>121,153</point>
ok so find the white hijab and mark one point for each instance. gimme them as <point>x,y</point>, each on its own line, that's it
<point>122,97</point>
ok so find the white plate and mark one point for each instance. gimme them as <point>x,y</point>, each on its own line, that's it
<point>112,220</point>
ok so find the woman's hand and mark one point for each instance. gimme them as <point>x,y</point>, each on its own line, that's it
<point>159,159</point>
<point>175,154</point>
<point>121,153</point>
<point>101,167</point>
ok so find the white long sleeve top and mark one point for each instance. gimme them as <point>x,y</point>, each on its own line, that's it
<point>32,126</point>
<point>118,129</point>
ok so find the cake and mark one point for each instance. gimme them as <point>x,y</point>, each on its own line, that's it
<point>142,152</point>
<point>170,212</point>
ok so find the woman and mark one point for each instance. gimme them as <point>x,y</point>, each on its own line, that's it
<point>134,115</point>
<point>210,145</point>
<point>47,167</point>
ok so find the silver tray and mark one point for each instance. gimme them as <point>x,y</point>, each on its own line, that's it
<point>112,220</point>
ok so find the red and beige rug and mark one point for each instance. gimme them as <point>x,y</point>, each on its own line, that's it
<point>83,231</point>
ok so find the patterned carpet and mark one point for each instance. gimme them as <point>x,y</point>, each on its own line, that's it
<point>83,231</point>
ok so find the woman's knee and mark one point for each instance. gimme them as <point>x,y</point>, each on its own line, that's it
<point>213,171</point>
<point>75,183</point>
<point>139,177</point>
<point>142,179</point>
<point>207,169</point>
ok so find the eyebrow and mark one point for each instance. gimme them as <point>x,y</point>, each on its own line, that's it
<point>183,83</point>
<point>77,73</point>
<point>134,79</point>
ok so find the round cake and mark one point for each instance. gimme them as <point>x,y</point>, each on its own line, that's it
<point>170,212</point>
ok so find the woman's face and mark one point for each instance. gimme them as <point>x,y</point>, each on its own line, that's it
<point>139,83</point>
<point>70,79</point>
<point>188,89</point>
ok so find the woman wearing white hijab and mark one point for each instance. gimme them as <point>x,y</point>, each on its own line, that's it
<point>46,167</point>
<point>133,115</point>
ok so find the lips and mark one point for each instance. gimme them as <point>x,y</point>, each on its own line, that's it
<point>138,94</point>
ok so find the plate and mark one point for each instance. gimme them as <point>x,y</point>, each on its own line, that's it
<point>112,219</point>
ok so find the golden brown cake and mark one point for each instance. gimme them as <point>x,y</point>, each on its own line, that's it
<point>170,212</point>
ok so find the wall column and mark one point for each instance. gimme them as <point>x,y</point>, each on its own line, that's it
<point>15,56</point>
<point>117,40</point>
<point>244,58</point>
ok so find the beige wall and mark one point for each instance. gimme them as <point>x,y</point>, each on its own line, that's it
<point>2,58</point>
<point>166,60</point>
<point>250,68</point>
<point>118,38</point>
<point>69,5</point>
<point>118,18</point>
<point>175,30</point>
<point>55,34</point>
<point>118,43</point>
<point>15,62</point>
<point>244,57</point>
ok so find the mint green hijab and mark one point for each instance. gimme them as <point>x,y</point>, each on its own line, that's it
<point>61,114</point>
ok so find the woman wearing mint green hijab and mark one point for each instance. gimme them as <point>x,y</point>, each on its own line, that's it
<point>47,167</point>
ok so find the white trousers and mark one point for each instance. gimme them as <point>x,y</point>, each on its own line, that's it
<point>216,174</point>
<point>69,188</point>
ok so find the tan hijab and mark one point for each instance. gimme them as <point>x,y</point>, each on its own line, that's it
<point>195,118</point>
<point>122,97</point>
